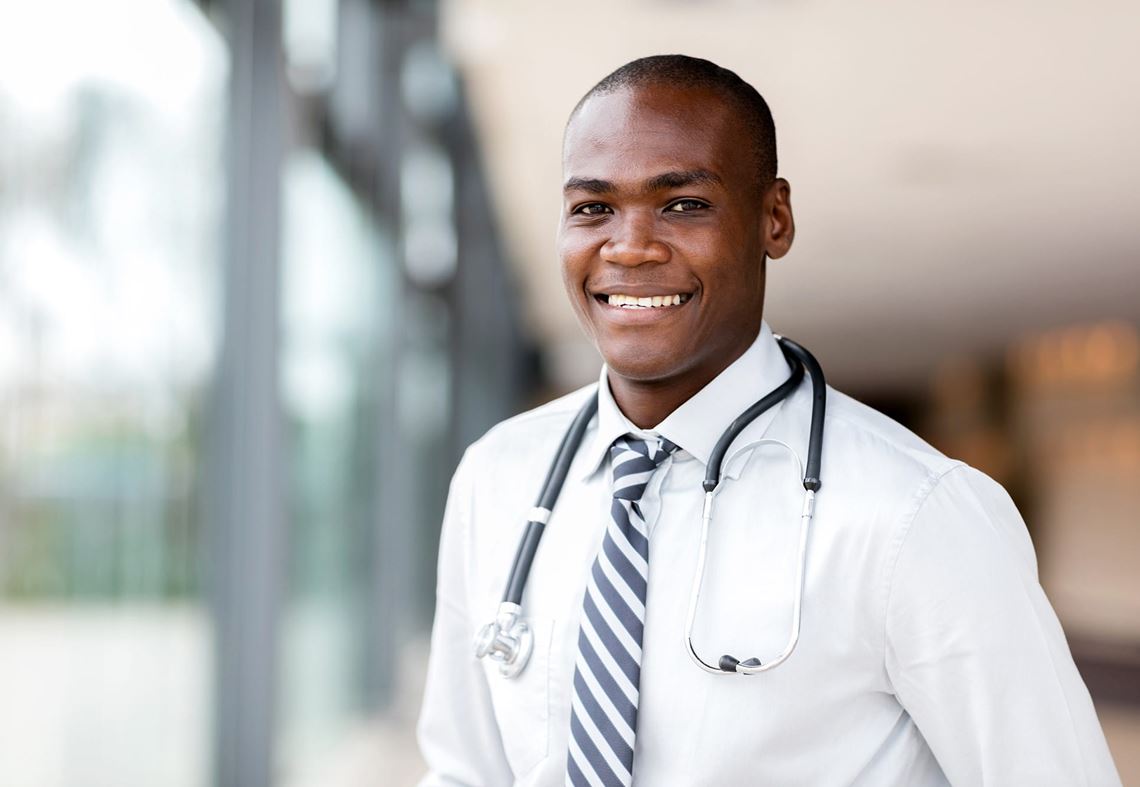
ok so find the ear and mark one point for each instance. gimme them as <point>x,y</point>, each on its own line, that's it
<point>779,226</point>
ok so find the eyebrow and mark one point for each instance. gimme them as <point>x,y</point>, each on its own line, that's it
<point>676,180</point>
<point>591,185</point>
<point>662,182</point>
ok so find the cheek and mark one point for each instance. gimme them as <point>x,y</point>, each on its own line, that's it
<point>575,267</point>
<point>574,254</point>
<point>705,245</point>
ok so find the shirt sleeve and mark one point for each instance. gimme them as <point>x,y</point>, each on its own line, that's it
<point>457,732</point>
<point>975,652</point>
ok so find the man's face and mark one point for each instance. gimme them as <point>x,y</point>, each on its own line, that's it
<point>661,201</point>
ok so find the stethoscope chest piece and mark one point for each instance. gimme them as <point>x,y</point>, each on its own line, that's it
<point>508,640</point>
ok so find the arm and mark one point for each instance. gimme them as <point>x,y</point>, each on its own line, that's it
<point>975,652</point>
<point>458,735</point>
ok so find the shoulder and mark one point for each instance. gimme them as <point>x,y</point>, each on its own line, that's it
<point>871,435</point>
<point>882,474</point>
<point>501,473</point>
<point>528,437</point>
<point>520,429</point>
<point>875,464</point>
<point>862,441</point>
<point>875,436</point>
<point>888,494</point>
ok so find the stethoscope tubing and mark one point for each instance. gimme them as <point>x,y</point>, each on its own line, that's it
<point>812,478</point>
<point>751,666</point>
<point>508,639</point>
<point>551,488</point>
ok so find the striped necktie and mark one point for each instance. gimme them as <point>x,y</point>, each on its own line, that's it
<point>607,673</point>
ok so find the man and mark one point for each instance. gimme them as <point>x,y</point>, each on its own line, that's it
<point>928,653</point>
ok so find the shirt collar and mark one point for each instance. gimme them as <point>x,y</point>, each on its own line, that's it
<point>698,423</point>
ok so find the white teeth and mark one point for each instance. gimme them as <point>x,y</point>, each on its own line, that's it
<point>654,301</point>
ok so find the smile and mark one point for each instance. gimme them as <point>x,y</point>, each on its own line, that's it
<point>643,302</point>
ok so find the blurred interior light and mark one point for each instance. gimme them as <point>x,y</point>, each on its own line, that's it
<point>423,382</point>
<point>1100,354</point>
<point>430,251</point>
<point>426,181</point>
<point>427,83</point>
<point>310,31</point>
<point>353,105</point>
<point>427,194</point>
<point>327,289</point>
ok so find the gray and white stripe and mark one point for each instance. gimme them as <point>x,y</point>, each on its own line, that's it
<point>607,673</point>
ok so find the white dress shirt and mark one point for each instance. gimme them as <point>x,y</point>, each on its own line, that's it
<point>928,654</point>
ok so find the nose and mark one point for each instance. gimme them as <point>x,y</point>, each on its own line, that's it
<point>634,240</point>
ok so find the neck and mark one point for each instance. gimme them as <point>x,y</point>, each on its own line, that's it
<point>646,403</point>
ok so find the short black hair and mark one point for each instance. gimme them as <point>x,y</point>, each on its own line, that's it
<point>693,72</point>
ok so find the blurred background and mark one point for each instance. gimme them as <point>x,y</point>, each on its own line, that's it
<point>266,268</point>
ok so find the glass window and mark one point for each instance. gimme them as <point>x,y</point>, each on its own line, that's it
<point>110,187</point>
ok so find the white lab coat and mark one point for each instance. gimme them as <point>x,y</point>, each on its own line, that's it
<point>929,653</point>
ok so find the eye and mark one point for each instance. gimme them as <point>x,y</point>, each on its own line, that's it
<point>592,209</point>
<point>687,205</point>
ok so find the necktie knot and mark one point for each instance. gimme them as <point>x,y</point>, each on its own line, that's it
<point>634,459</point>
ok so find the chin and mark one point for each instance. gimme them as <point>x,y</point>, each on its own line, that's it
<point>640,363</point>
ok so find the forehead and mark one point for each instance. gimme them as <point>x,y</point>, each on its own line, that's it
<point>655,127</point>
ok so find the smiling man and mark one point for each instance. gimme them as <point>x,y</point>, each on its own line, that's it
<point>927,651</point>
<point>658,205</point>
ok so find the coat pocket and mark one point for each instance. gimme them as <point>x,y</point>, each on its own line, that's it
<point>522,703</point>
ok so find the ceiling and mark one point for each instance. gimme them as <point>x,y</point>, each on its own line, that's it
<point>963,173</point>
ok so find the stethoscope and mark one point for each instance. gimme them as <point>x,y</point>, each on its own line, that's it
<point>509,641</point>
